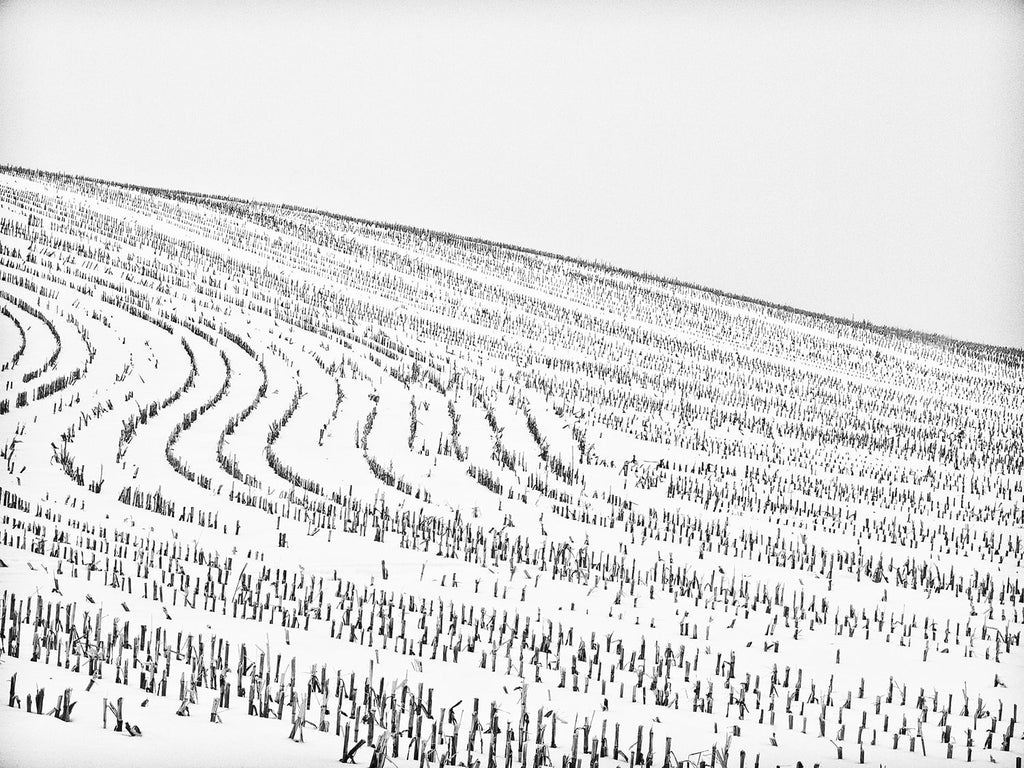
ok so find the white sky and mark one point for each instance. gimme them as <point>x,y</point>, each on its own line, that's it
<point>860,158</point>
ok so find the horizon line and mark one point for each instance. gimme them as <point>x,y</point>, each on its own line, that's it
<point>926,337</point>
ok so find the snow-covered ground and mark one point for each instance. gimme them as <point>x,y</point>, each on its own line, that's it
<point>280,486</point>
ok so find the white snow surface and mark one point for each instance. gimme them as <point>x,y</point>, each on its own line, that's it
<point>279,481</point>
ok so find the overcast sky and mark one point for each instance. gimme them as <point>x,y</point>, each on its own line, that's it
<point>859,158</point>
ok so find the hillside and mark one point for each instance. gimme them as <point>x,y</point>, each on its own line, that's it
<point>281,485</point>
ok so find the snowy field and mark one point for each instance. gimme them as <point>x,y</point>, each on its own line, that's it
<point>285,488</point>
